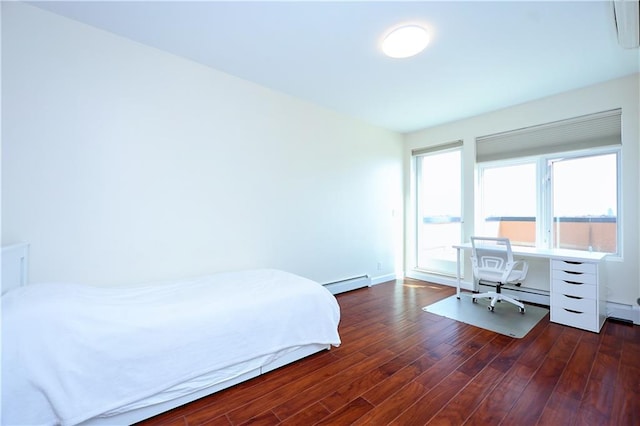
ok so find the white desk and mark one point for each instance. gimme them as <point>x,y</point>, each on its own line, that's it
<point>576,283</point>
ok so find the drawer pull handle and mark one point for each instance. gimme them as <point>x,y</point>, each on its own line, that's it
<point>573,297</point>
<point>572,282</point>
<point>572,311</point>
<point>572,262</point>
<point>574,272</point>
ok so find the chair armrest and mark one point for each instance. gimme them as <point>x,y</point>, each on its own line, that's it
<point>525,266</point>
<point>513,267</point>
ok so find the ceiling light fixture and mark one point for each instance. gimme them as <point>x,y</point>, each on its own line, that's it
<point>405,41</point>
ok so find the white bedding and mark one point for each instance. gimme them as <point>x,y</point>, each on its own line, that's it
<point>72,352</point>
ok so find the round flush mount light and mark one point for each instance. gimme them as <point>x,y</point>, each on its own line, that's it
<point>405,41</point>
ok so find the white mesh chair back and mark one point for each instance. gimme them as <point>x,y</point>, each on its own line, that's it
<point>492,259</point>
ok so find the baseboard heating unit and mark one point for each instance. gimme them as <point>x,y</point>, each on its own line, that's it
<point>348,284</point>
<point>524,294</point>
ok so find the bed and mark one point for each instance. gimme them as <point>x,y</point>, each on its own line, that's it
<point>79,354</point>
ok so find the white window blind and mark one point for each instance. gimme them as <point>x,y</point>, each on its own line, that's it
<point>436,148</point>
<point>589,131</point>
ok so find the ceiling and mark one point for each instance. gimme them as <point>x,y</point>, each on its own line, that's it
<point>482,56</point>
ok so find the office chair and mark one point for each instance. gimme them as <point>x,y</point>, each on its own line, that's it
<point>492,261</point>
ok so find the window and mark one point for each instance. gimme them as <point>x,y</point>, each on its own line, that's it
<point>438,207</point>
<point>561,202</point>
<point>554,185</point>
<point>508,202</point>
<point>585,203</point>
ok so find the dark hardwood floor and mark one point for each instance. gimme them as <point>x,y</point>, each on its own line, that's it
<point>400,365</point>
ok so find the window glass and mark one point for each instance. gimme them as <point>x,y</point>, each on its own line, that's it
<point>585,203</point>
<point>568,202</point>
<point>508,203</point>
<point>439,209</point>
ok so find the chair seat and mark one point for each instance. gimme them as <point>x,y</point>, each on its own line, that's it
<point>496,276</point>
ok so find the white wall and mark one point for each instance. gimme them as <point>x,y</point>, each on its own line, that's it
<point>122,163</point>
<point>623,276</point>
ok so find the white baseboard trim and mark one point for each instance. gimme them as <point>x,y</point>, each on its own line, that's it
<point>348,284</point>
<point>438,279</point>
<point>624,312</point>
<point>383,279</point>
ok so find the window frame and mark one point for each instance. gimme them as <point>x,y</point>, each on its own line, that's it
<point>544,198</point>
<point>417,179</point>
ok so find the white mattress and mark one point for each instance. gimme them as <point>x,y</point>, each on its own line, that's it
<point>72,352</point>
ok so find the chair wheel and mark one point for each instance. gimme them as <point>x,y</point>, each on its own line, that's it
<point>521,310</point>
<point>491,308</point>
<point>474,300</point>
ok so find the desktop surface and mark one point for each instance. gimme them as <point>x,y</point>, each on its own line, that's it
<point>565,254</point>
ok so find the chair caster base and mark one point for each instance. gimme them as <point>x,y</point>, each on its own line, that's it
<point>490,308</point>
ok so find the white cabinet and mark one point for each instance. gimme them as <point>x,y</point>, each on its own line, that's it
<point>578,294</point>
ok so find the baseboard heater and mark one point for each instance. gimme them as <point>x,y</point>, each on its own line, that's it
<point>524,294</point>
<point>348,284</point>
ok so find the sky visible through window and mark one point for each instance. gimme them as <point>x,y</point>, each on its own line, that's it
<point>441,184</point>
<point>509,191</point>
<point>582,187</point>
<point>585,186</point>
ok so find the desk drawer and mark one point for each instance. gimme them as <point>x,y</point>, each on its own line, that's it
<point>582,267</point>
<point>573,303</point>
<point>574,289</point>
<point>574,277</point>
<point>584,320</point>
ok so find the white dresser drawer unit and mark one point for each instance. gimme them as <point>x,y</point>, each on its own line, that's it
<point>576,294</point>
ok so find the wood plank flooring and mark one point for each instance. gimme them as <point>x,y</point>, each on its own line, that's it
<point>399,365</point>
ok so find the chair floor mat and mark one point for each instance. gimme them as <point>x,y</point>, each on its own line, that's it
<point>505,319</point>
